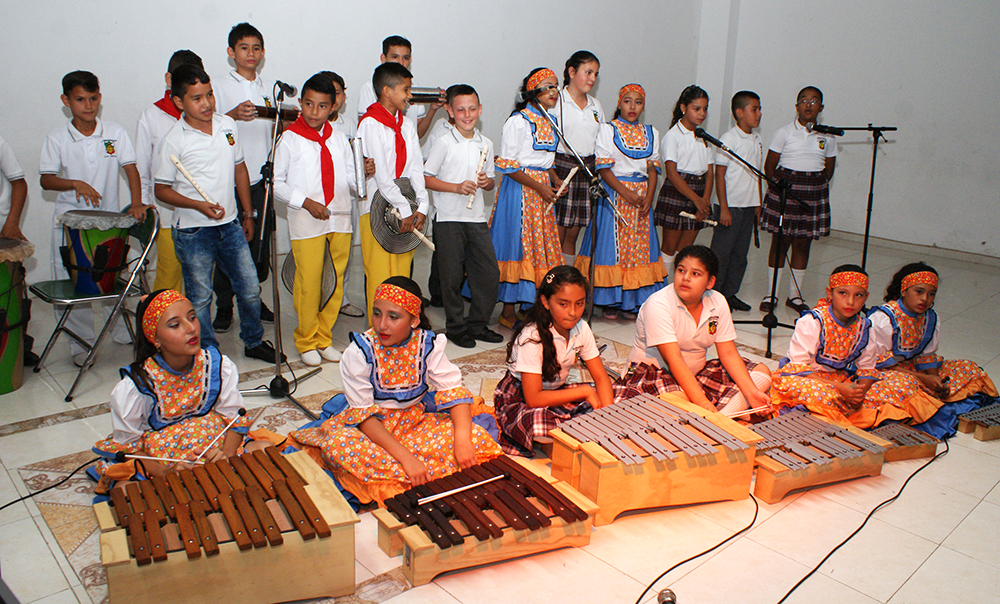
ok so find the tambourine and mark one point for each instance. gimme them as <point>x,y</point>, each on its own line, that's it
<point>385,225</point>
<point>328,282</point>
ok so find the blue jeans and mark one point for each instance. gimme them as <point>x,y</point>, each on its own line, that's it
<point>199,250</point>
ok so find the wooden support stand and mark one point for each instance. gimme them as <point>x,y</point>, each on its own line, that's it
<point>295,569</point>
<point>617,487</point>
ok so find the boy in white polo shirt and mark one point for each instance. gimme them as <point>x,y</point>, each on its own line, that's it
<point>81,161</point>
<point>397,49</point>
<point>464,246</point>
<point>13,194</point>
<point>236,94</point>
<point>739,192</point>
<point>153,125</point>
<point>314,175</point>
<point>207,234</point>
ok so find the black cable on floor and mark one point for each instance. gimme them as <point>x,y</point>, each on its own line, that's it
<point>51,486</point>
<point>867,518</point>
<point>756,509</point>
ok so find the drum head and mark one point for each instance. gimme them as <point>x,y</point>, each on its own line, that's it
<point>99,220</point>
<point>328,282</point>
<point>15,250</point>
<point>385,225</point>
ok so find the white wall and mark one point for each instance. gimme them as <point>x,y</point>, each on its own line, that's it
<point>490,45</point>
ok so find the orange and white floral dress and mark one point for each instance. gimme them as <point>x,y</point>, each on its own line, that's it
<point>390,383</point>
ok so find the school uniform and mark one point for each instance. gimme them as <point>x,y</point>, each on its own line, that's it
<point>802,164</point>
<point>692,156</point>
<point>461,234</point>
<point>627,255</point>
<point>10,170</point>
<point>203,243</point>
<point>96,160</point>
<point>350,130</point>
<point>367,96</point>
<point>520,424</point>
<point>298,175</point>
<point>154,123</point>
<point>523,227</point>
<point>732,243</point>
<point>664,319</point>
<point>579,126</point>
<point>380,145</point>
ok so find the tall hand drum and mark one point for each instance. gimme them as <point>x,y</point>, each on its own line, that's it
<point>95,248</point>
<point>13,312</point>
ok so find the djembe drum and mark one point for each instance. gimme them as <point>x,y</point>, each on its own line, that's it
<point>95,248</point>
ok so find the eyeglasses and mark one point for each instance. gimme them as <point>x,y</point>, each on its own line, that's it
<point>547,88</point>
<point>809,102</point>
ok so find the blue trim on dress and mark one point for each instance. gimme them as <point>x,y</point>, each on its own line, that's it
<point>847,363</point>
<point>925,338</point>
<point>213,369</point>
<point>537,146</point>
<point>628,151</point>
<point>403,394</point>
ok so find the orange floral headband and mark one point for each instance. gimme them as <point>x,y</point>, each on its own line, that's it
<point>627,88</point>
<point>922,277</point>
<point>155,310</point>
<point>849,278</point>
<point>538,76</point>
<point>400,297</point>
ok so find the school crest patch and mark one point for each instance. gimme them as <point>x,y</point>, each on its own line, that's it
<point>597,118</point>
<point>713,325</point>
<point>109,147</point>
<point>230,139</point>
<point>267,102</point>
<point>822,143</point>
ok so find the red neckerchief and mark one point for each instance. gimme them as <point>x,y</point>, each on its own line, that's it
<point>309,133</point>
<point>167,106</point>
<point>381,115</point>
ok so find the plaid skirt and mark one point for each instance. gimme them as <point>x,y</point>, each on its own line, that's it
<point>519,423</point>
<point>640,378</point>
<point>807,220</point>
<point>671,202</point>
<point>573,209</point>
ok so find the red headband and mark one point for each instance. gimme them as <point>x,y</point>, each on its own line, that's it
<point>627,88</point>
<point>922,277</point>
<point>400,297</point>
<point>849,278</point>
<point>538,76</point>
<point>155,310</point>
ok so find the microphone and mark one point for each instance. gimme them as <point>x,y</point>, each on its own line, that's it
<point>700,133</point>
<point>811,127</point>
<point>288,89</point>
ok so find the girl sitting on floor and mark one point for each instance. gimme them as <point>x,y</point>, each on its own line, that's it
<point>378,440</point>
<point>533,397</point>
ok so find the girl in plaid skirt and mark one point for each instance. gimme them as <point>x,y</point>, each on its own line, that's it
<point>533,398</point>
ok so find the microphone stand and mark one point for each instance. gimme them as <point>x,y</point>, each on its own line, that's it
<point>876,135</point>
<point>279,386</point>
<point>597,193</point>
<point>770,320</point>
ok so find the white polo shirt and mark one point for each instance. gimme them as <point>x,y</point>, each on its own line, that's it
<point>692,155</point>
<point>94,159</point>
<point>454,159</point>
<point>578,125</point>
<point>801,150</point>
<point>10,170</point>
<point>526,355</point>
<point>153,125</point>
<point>742,186</point>
<point>210,158</point>
<point>348,128</point>
<point>367,96</point>
<point>663,319</point>
<point>380,145</point>
<point>255,136</point>
<point>297,176</point>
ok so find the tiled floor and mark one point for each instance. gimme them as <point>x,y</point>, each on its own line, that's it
<point>937,542</point>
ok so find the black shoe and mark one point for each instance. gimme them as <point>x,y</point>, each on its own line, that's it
<point>223,320</point>
<point>263,351</point>
<point>266,316</point>
<point>30,359</point>
<point>462,339</point>
<point>737,304</point>
<point>487,335</point>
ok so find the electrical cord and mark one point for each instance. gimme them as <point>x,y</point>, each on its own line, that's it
<point>756,510</point>
<point>51,486</point>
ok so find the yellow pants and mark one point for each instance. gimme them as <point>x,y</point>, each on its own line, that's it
<point>379,264</point>
<point>315,323</point>
<point>168,268</point>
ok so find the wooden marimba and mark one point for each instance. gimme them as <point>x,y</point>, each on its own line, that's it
<point>985,421</point>
<point>907,443</point>
<point>803,450</point>
<point>647,452</point>
<point>261,527</point>
<point>524,512</point>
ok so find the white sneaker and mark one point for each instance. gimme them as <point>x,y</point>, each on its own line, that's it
<point>330,353</point>
<point>311,358</point>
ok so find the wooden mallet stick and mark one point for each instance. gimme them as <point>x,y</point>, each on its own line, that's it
<point>747,411</point>
<point>431,498</point>
<point>565,183</point>
<point>482,162</point>
<point>693,217</point>
<point>194,183</point>
<point>121,456</point>
<point>419,235</point>
<point>240,414</point>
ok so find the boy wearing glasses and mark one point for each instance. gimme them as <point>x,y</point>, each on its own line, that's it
<point>805,159</point>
